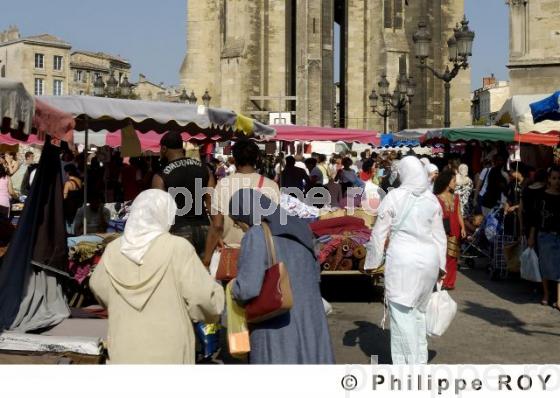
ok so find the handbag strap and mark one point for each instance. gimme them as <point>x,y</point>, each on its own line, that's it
<point>270,248</point>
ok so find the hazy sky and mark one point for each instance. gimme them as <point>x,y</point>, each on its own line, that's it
<point>151,33</point>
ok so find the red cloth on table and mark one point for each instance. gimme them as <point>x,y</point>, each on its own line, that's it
<point>338,225</point>
<point>455,227</point>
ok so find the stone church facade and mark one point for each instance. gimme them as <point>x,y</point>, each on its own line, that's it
<point>534,61</point>
<point>262,56</point>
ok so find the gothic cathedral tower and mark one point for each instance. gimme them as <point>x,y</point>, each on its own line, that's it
<point>261,56</point>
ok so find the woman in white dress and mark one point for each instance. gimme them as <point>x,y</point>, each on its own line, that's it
<point>411,218</point>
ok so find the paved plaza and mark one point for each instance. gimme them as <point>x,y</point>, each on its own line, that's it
<point>496,322</point>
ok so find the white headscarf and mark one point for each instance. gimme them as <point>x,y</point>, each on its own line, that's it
<point>425,161</point>
<point>413,175</point>
<point>431,168</point>
<point>152,214</point>
<point>463,175</point>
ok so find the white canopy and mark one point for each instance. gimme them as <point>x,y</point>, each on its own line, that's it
<point>516,111</point>
<point>16,105</point>
<point>114,114</point>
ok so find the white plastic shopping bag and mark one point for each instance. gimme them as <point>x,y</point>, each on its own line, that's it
<point>530,269</point>
<point>440,312</point>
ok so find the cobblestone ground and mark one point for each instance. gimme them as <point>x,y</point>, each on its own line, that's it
<point>497,322</point>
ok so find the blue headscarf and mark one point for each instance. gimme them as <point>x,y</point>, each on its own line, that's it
<point>251,207</point>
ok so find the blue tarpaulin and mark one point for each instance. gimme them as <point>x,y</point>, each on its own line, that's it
<point>546,109</point>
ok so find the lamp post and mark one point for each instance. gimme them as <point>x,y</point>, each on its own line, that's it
<point>460,49</point>
<point>395,102</point>
<point>206,99</point>
<point>192,98</point>
<point>112,88</point>
<point>184,97</point>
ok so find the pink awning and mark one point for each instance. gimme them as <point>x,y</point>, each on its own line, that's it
<point>50,120</point>
<point>7,139</point>
<point>150,141</point>
<point>305,133</point>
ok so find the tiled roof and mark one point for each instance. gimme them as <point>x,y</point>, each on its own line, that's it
<point>102,55</point>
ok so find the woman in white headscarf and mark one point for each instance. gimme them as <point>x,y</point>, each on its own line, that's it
<point>410,218</point>
<point>155,287</point>
<point>464,188</point>
<point>432,171</point>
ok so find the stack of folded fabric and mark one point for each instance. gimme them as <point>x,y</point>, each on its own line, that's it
<point>340,243</point>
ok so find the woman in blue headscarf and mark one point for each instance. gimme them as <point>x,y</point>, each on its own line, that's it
<point>300,336</point>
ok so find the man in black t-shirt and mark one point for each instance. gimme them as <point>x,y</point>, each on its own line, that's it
<point>185,178</point>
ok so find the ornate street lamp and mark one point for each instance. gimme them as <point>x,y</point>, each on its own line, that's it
<point>206,99</point>
<point>112,85</point>
<point>125,87</point>
<point>184,97</point>
<point>99,87</point>
<point>395,102</point>
<point>460,49</point>
<point>192,98</point>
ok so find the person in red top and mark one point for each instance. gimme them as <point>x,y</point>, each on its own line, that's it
<point>444,189</point>
<point>367,171</point>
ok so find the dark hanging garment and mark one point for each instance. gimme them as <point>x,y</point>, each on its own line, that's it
<point>30,296</point>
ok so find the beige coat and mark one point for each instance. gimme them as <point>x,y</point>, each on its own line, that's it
<point>152,306</point>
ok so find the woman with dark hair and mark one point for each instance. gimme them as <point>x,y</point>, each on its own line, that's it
<point>301,335</point>
<point>223,231</point>
<point>6,192</point>
<point>545,234</point>
<point>444,189</point>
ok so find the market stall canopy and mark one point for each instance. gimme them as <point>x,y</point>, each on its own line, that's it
<point>6,139</point>
<point>305,133</point>
<point>517,112</point>
<point>16,107</point>
<point>546,109</point>
<point>21,114</point>
<point>149,141</point>
<point>454,134</point>
<point>475,133</point>
<point>114,114</point>
<point>550,139</point>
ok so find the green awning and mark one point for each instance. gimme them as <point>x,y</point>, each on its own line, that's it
<point>479,134</point>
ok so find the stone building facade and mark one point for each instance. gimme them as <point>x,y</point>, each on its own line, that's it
<point>534,60</point>
<point>489,100</point>
<point>149,91</point>
<point>263,56</point>
<point>41,63</point>
<point>86,66</point>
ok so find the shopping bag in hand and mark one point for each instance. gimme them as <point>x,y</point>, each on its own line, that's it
<point>208,338</point>
<point>440,312</point>
<point>530,269</point>
<point>237,330</point>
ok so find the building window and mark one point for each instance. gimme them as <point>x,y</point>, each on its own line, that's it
<point>3,71</point>
<point>57,62</point>
<point>78,76</point>
<point>398,14</point>
<point>388,13</point>
<point>39,87</point>
<point>39,61</point>
<point>58,87</point>
<point>393,14</point>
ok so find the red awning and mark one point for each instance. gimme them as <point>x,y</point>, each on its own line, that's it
<point>551,138</point>
<point>305,133</point>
